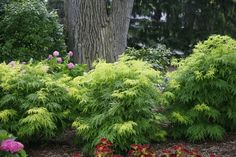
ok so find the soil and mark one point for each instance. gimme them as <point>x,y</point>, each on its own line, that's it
<point>64,147</point>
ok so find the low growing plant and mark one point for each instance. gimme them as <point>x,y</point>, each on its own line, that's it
<point>104,149</point>
<point>118,102</point>
<point>205,93</point>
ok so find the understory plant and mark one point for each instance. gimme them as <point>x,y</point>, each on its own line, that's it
<point>158,57</point>
<point>34,105</point>
<point>119,101</point>
<point>204,86</point>
<point>104,149</point>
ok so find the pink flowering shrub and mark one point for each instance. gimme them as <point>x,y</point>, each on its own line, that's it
<point>63,65</point>
<point>12,146</point>
<point>9,147</point>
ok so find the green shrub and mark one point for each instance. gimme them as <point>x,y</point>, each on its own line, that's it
<point>28,30</point>
<point>117,102</point>
<point>205,91</point>
<point>34,105</point>
<point>159,57</point>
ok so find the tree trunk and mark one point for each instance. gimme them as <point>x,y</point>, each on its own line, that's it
<point>97,28</point>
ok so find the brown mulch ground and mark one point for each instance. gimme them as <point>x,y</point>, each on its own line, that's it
<point>63,147</point>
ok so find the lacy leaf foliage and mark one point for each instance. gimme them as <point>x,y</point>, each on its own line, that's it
<point>205,89</point>
<point>117,102</point>
<point>33,104</point>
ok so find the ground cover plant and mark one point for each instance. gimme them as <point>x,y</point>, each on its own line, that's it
<point>118,102</point>
<point>104,149</point>
<point>205,91</point>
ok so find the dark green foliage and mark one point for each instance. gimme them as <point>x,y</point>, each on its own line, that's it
<point>34,105</point>
<point>205,89</point>
<point>28,30</point>
<point>159,57</point>
<point>57,5</point>
<point>187,22</point>
<point>117,102</point>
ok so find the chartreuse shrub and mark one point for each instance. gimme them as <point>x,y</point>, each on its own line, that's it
<point>28,30</point>
<point>205,91</point>
<point>158,57</point>
<point>117,102</point>
<point>33,104</point>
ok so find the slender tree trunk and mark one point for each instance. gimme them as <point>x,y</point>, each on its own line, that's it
<point>97,28</point>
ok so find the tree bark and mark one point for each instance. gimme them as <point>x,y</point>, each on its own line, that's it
<point>97,28</point>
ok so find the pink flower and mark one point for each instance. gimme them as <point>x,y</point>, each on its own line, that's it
<point>70,66</point>
<point>70,54</point>
<point>11,145</point>
<point>56,53</point>
<point>59,60</point>
<point>50,57</point>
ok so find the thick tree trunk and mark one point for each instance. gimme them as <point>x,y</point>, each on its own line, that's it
<point>97,28</point>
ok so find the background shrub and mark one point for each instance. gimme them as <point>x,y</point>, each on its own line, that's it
<point>158,57</point>
<point>117,102</point>
<point>28,30</point>
<point>34,105</point>
<point>205,89</point>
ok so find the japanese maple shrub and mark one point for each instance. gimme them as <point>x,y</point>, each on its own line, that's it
<point>205,91</point>
<point>34,105</point>
<point>117,101</point>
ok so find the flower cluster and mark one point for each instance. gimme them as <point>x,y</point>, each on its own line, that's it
<point>141,151</point>
<point>12,146</point>
<point>59,60</point>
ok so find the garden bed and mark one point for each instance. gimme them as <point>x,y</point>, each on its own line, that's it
<point>65,148</point>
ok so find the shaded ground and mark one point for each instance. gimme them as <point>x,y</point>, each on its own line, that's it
<point>64,147</point>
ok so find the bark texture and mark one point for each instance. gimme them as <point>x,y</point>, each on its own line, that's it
<point>97,28</point>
